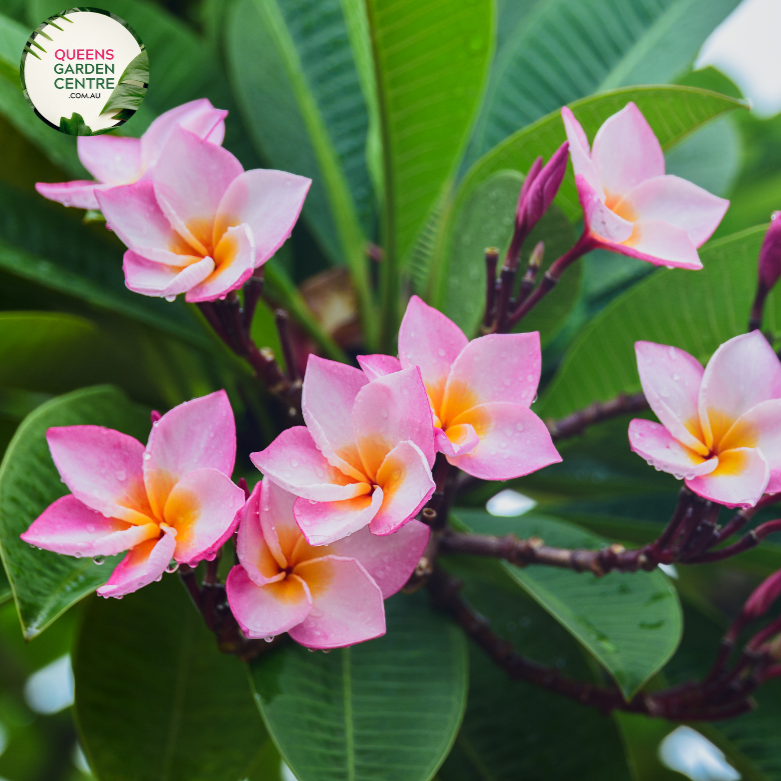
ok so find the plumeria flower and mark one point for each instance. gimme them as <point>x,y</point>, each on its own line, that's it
<point>364,456</point>
<point>172,501</point>
<point>117,160</point>
<point>201,224</point>
<point>480,393</point>
<point>326,596</point>
<point>720,426</point>
<point>629,205</point>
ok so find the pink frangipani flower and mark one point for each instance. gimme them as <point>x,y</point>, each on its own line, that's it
<point>117,160</point>
<point>629,205</point>
<point>480,393</point>
<point>325,597</point>
<point>173,500</point>
<point>720,426</point>
<point>201,224</point>
<point>364,456</point>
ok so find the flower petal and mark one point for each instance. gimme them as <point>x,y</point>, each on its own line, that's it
<point>79,194</point>
<point>102,468</point>
<point>626,151</point>
<point>255,554</point>
<point>324,522</point>
<point>513,442</point>
<point>375,366</point>
<point>134,215</point>
<point>197,434</point>
<point>742,373</point>
<point>150,278</point>
<point>112,160</point>
<point>328,396</point>
<point>197,116</point>
<point>658,447</point>
<point>270,610</point>
<point>498,367</point>
<point>580,153</point>
<point>432,342</point>
<point>601,221</point>
<point>739,480</point>
<point>671,383</point>
<point>190,179</point>
<point>69,527</point>
<point>233,266</point>
<point>457,440</point>
<point>269,202</point>
<point>406,482</point>
<point>389,410</point>
<point>347,604</point>
<point>677,202</point>
<point>278,521</point>
<point>204,509</point>
<point>389,560</point>
<point>143,565</point>
<point>293,461</point>
<point>660,244</point>
<point>760,427</point>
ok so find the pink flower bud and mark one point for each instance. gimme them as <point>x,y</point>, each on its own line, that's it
<point>763,597</point>
<point>770,254</point>
<point>539,189</point>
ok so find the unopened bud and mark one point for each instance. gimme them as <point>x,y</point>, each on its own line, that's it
<point>535,259</point>
<point>543,189</point>
<point>770,254</point>
<point>763,597</point>
<point>531,176</point>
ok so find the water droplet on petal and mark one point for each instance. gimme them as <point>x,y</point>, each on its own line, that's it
<point>172,566</point>
<point>98,559</point>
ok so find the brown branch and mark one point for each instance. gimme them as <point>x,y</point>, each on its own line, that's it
<point>575,424</point>
<point>714,699</point>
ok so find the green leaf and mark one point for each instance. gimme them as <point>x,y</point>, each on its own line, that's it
<point>631,623</point>
<point>295,80</point>
<point>696,311</point>
<point>131,87</point>
<point>388,708</point>
<point>568,50</point>
<point>431,62</point>
<point>711,157</point>
<point>513,730</point>
<point>45,244</point>
<point>13,38</point>
<point>155,699</point>
<point>487,219</point>
<point>673,113</point>
<point>75,125</point>
<point>46,584</point>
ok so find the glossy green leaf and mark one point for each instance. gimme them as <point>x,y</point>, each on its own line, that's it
<point>672,112</point>
<point>155,698</point>
<point>513,730</point>
<point>631,623</point>
<point>487,220</point>
<point>75,125</point>
<point>696,311</point>
<point>388,708</point>
<point>431,61</point>
<point>41,242</point>
<point>568,50</point>
<point>46,584</point>
<point>131,86</point>
<point>293,73</point>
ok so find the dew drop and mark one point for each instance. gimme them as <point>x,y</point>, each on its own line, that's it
<point>98,560</point>
<point>269,639</point>
<point>170,298</point>
<point>172,566</point>
<point>121,475</point>
<point>441,352</point>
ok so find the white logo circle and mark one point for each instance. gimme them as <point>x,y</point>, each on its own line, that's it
<point>84,71</point>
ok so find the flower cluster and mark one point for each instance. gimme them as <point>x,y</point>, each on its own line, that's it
<point>193,220</point>
<point>330,531</point>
